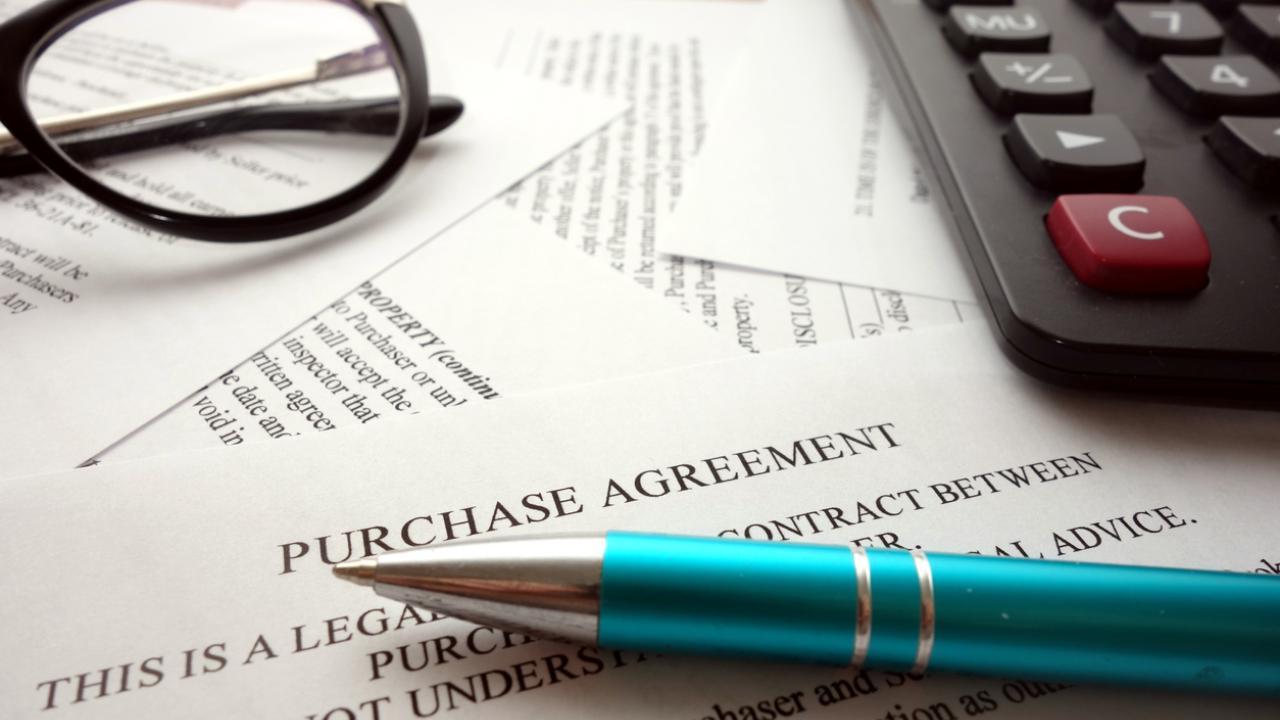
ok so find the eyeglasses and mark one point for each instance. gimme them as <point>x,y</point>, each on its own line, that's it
<point>222,120</point>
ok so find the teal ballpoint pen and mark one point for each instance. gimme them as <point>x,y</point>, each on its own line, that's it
<point>885,609</point>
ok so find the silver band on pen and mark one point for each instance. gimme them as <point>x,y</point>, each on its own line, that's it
<point>928,613</point>
<point>862,628</point>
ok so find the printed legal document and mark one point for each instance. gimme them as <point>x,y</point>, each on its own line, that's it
<point>106,324</point>
<point>610,195</point>
<point>198,585</point>
<point>277,393</point>
<point>805,170</point>
<point>482,312</point>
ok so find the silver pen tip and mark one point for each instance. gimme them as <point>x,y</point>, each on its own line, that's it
<point>359,572</point>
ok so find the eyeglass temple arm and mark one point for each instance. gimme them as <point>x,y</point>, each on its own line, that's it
<point>377,116</point>
<point>354,62</point>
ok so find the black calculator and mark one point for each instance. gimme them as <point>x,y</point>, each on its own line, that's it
<point>1113,171</point>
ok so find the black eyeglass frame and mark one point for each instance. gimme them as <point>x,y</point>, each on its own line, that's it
<point>24,36</point>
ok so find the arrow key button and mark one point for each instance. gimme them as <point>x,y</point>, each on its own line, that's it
<point>1076,153</point>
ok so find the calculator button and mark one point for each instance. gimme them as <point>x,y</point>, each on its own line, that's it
<point>973,30</point>
<point>942,5</point>
<point>1257,27</point>
<point>1224,8</point>
<point>1226,85</point>
<point>1076,152</point>
<point>1130,243</point>
<point>1250,147</point>
<point>1220,7</point>
<point>1149,30</point>
<point>1033,83</point>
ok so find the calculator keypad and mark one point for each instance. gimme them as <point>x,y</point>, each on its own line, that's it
<point>973,30</point>
<point>1048,83</point>
<point>1105,152</point>
<point>1149,30</point>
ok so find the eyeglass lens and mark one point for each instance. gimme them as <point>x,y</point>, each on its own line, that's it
<point>220,107</point>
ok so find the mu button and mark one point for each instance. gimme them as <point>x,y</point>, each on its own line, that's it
<point>1073,153</point>
<point>973,30</point>
<point>1143,244</point>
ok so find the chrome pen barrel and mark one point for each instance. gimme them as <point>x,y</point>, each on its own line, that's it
<point>545,586</point>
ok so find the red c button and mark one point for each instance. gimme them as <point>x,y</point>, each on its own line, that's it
<point>1130,243</point>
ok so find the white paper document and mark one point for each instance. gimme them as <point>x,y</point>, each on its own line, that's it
<point>105,325</point>
<point>198,585</point>
<point>482,312</point>
<point>524,318</point>
<point>609,195</point>
<point>805,170</point>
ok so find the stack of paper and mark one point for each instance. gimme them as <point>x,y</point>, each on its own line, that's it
<point>646,207</point>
